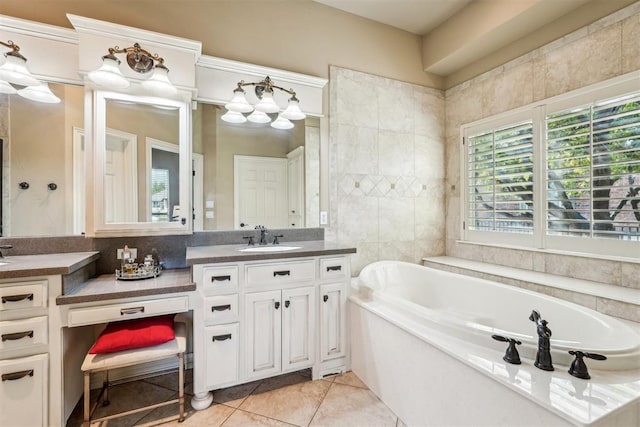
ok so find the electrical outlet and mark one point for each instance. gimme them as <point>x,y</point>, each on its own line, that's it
<point>132,251</point>
<point>209,215</point>
<point>323,218</point>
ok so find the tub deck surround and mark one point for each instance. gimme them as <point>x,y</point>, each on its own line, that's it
<point>469,371</point>
<point>232,253</point>
<point>107,287</point>
<point>44,265</point>
<point>613,300</point>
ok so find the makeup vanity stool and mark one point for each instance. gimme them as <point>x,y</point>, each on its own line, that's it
<point>104,362</point>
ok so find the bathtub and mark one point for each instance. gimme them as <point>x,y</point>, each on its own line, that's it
<point>421,340</point>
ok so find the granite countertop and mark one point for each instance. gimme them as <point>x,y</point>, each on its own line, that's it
<point>42,265</point>
<point>232,253</point>
<point>107,287</point>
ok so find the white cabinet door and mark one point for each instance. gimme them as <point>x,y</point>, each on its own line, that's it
<point>298,328</point>
<point>23,391</point>
<point>263,327</point>
<point>221,347</point>
<point>333,308</point>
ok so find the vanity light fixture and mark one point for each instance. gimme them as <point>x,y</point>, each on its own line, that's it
<point>140,61</point>
<point>266,104</point>
<point>15,77</point>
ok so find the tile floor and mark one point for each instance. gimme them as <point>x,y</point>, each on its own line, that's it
<point>287,400</point>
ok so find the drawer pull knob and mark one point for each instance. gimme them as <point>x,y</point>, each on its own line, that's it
<point>220,278</point>
<point>221,337</point>
<point>132,310</point>
<point>16,298</point>
<point>221,307</point>
<point>17,336</point>
<point>286,303</point>
<point>325,298</point>
<point>277,305</point>
<point>282,273</point>
<point>17,375</point>
<point>334,268</point>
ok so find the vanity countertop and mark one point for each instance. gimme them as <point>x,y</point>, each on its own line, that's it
<point>46,264</point>
<point>107,287</point>
<point>233,253</point>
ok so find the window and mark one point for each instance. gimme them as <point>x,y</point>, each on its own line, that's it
<point>561,174</point>
<point>501,179</point>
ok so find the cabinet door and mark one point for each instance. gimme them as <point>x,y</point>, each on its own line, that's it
<point>221,346</point>
<point>333,308</point>
<point>298,327</point>
<point>23,391</point>
<point>263,329</point>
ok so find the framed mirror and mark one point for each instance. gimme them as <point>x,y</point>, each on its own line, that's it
<point>141,165</point>
<point>252,174</point>
<point>42,143</point>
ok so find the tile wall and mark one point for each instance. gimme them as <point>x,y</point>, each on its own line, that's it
<point>607,48</point>
<point>386,167</point>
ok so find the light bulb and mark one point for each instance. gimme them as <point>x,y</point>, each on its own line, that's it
<point>233,117</point>
<point>281,123</point>
<point>267,104</point>
<point>40,93</point>
<point>258,117</point>
<point>239,103</point>
<point>159,82</point>
<point>15,70</point>
<point>293,111</point>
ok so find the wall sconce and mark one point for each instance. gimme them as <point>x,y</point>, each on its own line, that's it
<point>15,77</point>
<point>140,61</point>
<point>266,104</point>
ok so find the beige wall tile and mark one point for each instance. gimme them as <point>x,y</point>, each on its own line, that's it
<point>428,112</point>
<point>508,90</point>
<point>583,268</point>
<point>630,275</point>
<point>396,219</point>
<point>508,257</point>
<point>358,219</point>
<point>619,309</point>
<point>429,158</point>
<point>353,103</point>
<point>395,107</point>
<point>357,150</point>
<point>395,153</point>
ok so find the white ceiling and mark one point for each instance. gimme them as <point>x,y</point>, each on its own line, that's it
<point>416,16</point>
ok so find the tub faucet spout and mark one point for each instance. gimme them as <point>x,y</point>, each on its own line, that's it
<point>543,356</point>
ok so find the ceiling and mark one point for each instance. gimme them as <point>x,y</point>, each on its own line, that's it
<point>458,33</point>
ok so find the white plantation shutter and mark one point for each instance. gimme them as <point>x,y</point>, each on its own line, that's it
<point>500,179</point>
<point>593,170</point>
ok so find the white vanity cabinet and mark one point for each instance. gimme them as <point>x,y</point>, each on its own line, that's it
<point>24,352</point>
<point>280,331</point>
<point>262,318</point>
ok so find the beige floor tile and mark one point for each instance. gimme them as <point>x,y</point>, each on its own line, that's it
<point>170,381</point>
<point>351,406</point>
<point>213,416</point>
<point>245,419</point>
<point>290,398</point>
<point>351,379</point>
<point>234,396</point>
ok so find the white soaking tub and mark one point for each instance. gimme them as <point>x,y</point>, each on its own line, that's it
<point>421,339</point>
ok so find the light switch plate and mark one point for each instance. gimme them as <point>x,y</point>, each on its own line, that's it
<point>209,214</point>
<point>323,218</point>
<point>209,204</point>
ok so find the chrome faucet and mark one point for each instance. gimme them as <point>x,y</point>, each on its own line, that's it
<point>543,356</point>
<point>263,234</point>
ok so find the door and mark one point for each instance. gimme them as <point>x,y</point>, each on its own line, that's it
<point>120,177</point>
<point>298,328</point>
<point>263,328</point>
<point>222,349</point>
<point>260,191</point>
<point>333,305</point>
<point>295,187</point>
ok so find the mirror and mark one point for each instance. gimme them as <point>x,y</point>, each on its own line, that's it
<point>254,174</point>
<point>141,165</point>
<point>41,143</point>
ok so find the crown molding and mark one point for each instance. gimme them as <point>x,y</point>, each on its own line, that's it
<point>103,28</point>
<point>259,71</point>
<point>37,29</point>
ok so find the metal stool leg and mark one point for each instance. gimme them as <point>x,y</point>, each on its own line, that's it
<point>181,385</point>
<point>87,397</point>
<point>105,385</point>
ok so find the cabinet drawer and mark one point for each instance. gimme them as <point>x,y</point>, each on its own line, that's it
<point>280,273</point>
<point>221,309</point>
<point>24,295</point>
<point>333,268</point>
<point>125,311</point>
<point>222,344</point>
<point>220,279</point>
<point>23,333</point>
<point>23,391</point>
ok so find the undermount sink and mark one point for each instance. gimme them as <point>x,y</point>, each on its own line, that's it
<point>277,248</point>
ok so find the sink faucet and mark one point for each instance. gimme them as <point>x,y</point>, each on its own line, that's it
<point>4,247</point>
<point>543,356</point>
<point>263,234</point>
